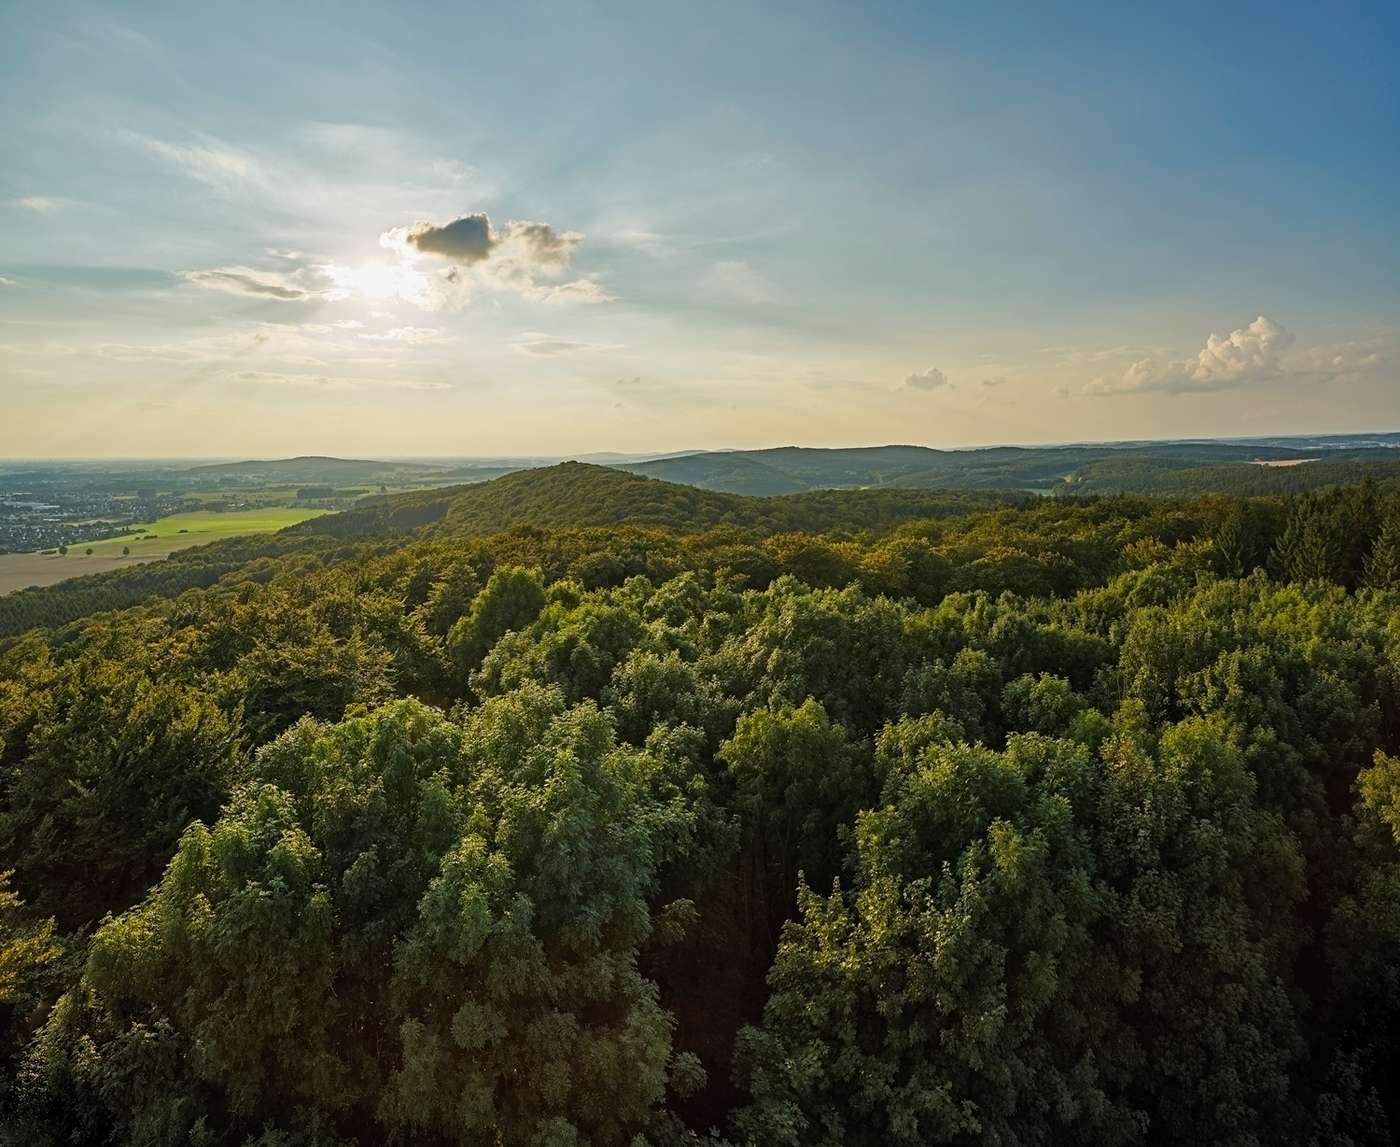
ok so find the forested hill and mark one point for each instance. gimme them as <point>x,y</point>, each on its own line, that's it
<point>572,494</point>
<point>581,494</point>
<point>1206,467</point>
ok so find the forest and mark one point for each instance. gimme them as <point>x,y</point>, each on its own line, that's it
<point>576,807</point>
<point>1287,465</point>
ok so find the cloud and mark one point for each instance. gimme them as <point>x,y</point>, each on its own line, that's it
<point>7,282</point>
<point>542,244</point>
<point>41,204</point>
<point>209,161</point>
<point>730,279</point>
<point>453,171</point>
<point>471,239</point>
<point>467,239</point>
<point>998,380</point>
<point>408,335</point>
<point>147,352</point>
<point>930,378</point>
<point>524,258</point>
<point>1338,362</point>
<point>1244,357</point>
<point>332,382</point>
<point>254,284</point>
<point>556,348</point>
<point>512,259</point>
<point>651,243</point>
<point>819,380</point>
<point>581,292</point>
<point>39,349</point>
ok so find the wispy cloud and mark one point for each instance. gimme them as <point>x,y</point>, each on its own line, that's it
<point>210,161</point>
<point>333,382</point>
<point>581,292</point>
<point>251,283</point>
<point>545,347</point>
<point>414,335</point>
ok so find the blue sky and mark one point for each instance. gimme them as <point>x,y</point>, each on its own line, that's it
<point>230,229</point>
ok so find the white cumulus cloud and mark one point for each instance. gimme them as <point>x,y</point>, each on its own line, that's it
<point>1244,357</point>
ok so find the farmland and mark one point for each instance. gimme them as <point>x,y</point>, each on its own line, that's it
<point>195,527</point>
<point>157,539</point>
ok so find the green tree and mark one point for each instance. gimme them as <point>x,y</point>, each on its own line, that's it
<point>1235,543</point>
<point>510,600</point>
<point>1382,570</point>
<point>797,781</point>
<point>400,925</point>
<point>104,771</point>
<point>1037,947</point>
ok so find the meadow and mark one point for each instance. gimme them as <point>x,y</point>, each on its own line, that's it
<point>160,538</point>
<point>178,531</point>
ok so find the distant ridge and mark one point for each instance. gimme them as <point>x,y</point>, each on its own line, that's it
<point>314,465</point>
<point>1194,466</point>
<point>1183,466</point>
<point>581,494</point>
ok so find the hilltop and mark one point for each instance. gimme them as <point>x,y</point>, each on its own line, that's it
<point>582,494</point>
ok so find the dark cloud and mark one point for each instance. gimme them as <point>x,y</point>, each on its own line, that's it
<point>523,257</point>
<point>467,239</point>
<point>470,239</point>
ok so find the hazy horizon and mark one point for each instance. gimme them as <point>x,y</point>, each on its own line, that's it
<point>586,455</point>
<point>409,231</point>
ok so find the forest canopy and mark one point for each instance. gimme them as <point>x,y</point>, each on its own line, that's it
<point>580,808</point>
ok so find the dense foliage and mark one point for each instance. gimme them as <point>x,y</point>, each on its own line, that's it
<point>1018,825</point>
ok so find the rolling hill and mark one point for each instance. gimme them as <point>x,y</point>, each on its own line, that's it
<point>1099,468</point>
<point>581,494</point>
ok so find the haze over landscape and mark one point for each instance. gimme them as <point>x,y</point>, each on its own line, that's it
<point>263,231</point>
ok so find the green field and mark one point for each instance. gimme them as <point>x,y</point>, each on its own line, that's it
<point>177,532</point>
<point>192,529</point>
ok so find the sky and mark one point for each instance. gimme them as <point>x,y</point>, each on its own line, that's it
<point>263,229</point>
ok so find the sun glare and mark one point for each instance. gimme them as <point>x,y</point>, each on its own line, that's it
<point>378,281</point>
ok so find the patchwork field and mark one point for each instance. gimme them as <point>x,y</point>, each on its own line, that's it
<point>163,536</point>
